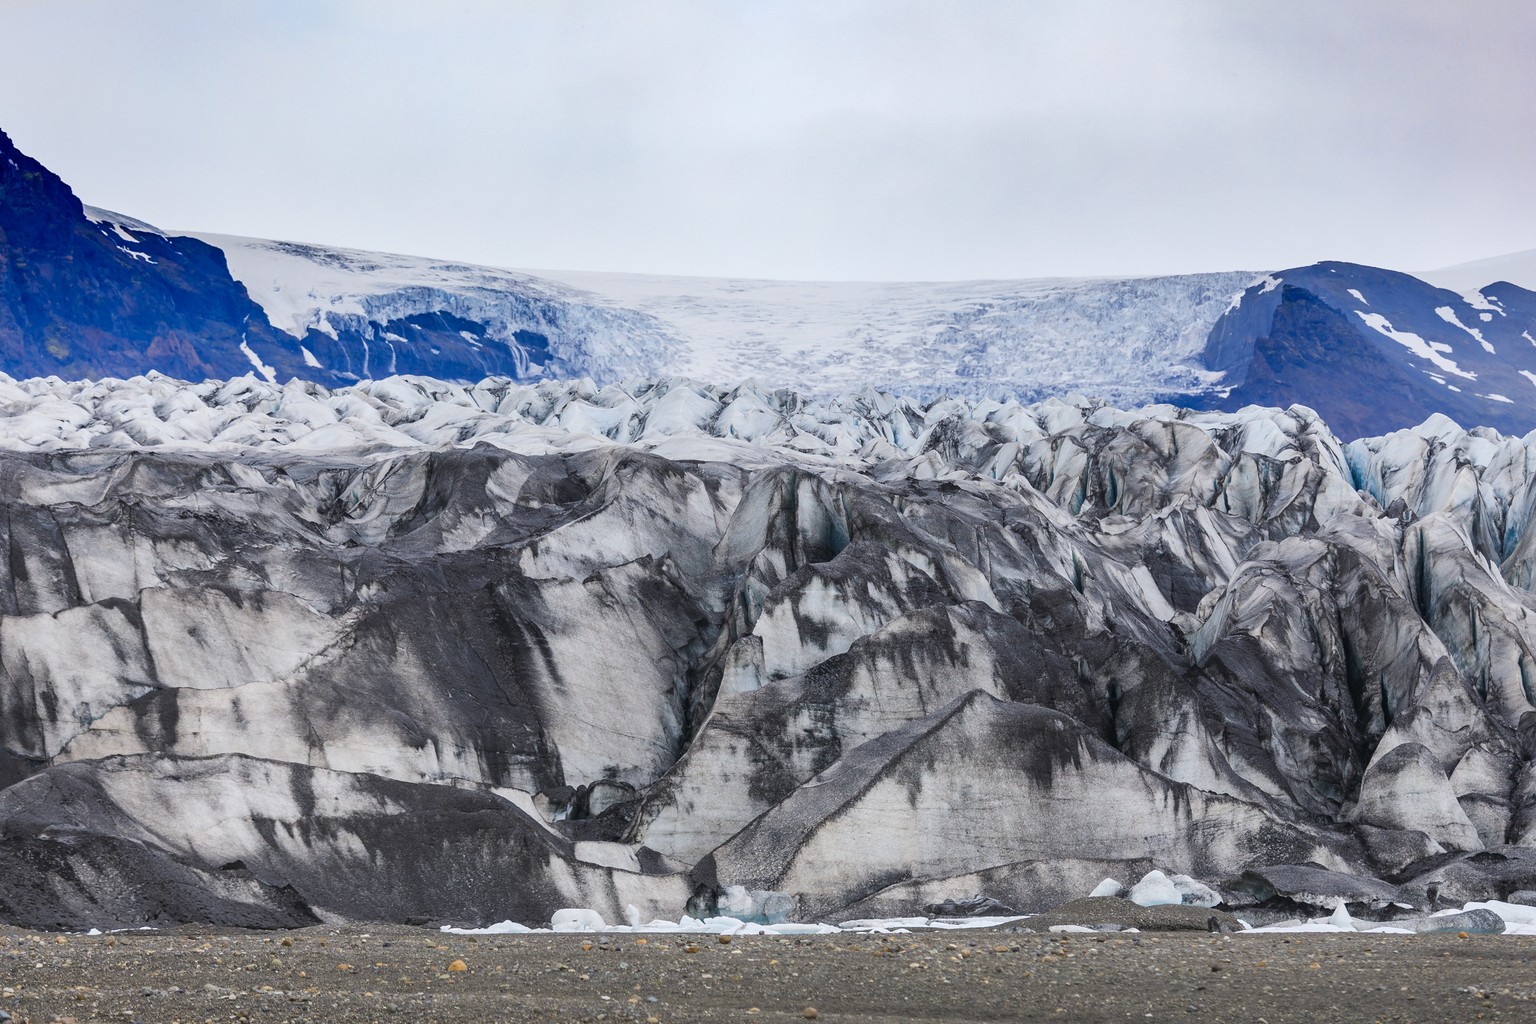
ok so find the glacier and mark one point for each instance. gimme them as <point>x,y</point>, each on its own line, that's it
<point>416,650</point>
<point>1125,341</point>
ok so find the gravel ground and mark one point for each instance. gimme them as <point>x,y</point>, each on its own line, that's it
<point>391,973</point>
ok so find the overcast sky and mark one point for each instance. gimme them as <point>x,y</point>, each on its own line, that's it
<point>830,139</point>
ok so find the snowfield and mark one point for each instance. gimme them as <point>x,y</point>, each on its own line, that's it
<point>1125,340</point>
<point>1518,268</point>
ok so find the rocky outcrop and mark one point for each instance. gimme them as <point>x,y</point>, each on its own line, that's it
<point>413,651</point>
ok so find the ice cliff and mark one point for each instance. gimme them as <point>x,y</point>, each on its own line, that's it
<point>413,650</point>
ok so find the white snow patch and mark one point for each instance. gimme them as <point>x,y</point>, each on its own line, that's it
<point>1358,297</point>
<point>1448,314</point>
<point>1429,350</point>
<point>136,254</point>
<point>1498,398</point>
<point>309,357</point>
<point>1477,300</point>
<point>1267,283</point>
<point>1528,375</point>
<point>261,367</point>
<point>1156,603</point>
<point>121,224</point>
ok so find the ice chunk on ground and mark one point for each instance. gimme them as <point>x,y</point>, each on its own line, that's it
<point>1155,889</point>
<point>577,920</point>
<point>1194,893</point>
<point>501,928</point>
<point>760,906</point>
<point>1479,921</point>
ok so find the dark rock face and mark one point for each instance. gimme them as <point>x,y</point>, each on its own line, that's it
<point>1312,888</point>
<point>264,685</point>
<point>975,906</point>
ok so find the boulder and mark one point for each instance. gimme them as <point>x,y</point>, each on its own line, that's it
<point>975,906</point>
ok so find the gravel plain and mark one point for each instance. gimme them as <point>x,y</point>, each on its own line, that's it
<point>392,973</point>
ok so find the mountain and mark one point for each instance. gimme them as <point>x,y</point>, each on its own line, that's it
<point>414,651</point>
<point>89,293</point>
<point>1375,350</point>
<point>81,298</point>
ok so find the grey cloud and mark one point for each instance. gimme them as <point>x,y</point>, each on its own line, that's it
<point>837,139</point>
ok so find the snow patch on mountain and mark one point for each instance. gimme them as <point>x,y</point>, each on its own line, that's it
<point>121,224</point>
<point>261,367</point>
<point>1448,314</point>
<point>1427,350</point>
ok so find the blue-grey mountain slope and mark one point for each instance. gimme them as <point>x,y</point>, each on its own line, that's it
<point>1375,350</point>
